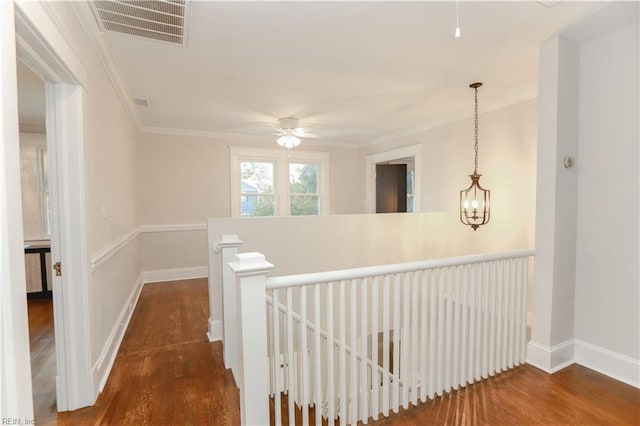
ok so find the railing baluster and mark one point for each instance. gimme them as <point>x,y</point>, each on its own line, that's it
<point>512,298</point>
<point>516,313</point>
<point>415,286</point>
<point>472,323</point>
<point>478,307</point>
<point>492,318</point>
<point>505,317</point>
<point>404,340</point>
<point>433,299</point>
<point>304,364</point>
<point>424,335</point>
<point>523,313</point>
<point>375,382</point>
<point>396,343</point>
<point>275,334</point>
<point>353,342</point>
<point>455,382</point>
<point>342,354</point>
<point>385,346</point>
<point>448,303</point>
<point>317,371</point>
<point>331,396</point>
<point>485,320</point>
<point>364,357</point>
<point>441,321</point>
<point>464,338</point>
<point>290,359</point>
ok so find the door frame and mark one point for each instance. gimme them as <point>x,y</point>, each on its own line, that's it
<point>414,151</point>
<point>48,52</point>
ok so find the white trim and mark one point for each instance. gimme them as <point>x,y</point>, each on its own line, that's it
<point>186,227</point>
<point>104,364</point>
<point>215,332</point>
<point>618,366</point>
<point>16,398</point>
<point>212,134</point>
<point>100,257</point>
<point>46,50</point>
<point>414,151</point>
<point>176,274</point>
<point>550,359</point>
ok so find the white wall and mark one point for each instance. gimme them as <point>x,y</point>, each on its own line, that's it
<point>185,180</point>
<point>587,236</point>
<point>607,289</point>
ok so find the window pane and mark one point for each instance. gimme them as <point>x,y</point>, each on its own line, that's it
<point>409,203</point>
<point>303,179</point>
<point>302,205</point>
<point>258,205</point>
<point>410,180</point>
<point>256,189</point>
<point>256,177</point>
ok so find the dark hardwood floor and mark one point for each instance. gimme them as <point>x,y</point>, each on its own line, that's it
<point>43,358</point>
<point>167,373</point>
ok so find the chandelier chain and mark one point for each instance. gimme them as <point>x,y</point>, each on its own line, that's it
<point>475,125</point>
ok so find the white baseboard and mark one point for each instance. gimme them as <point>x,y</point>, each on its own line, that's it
<point>176,274</point>
<point>215,330</point>
<point>550,359</point>
<point>105,361</point>
<point>612,364</point>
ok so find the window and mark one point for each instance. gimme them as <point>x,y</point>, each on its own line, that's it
<point>273,182</point>
<point>257,195</point>
<point>303,189</point>
<point>35,192</point>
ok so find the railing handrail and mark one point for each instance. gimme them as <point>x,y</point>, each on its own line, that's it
<point>300,280</point>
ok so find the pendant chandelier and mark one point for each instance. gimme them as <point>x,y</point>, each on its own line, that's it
<point>475,201</point>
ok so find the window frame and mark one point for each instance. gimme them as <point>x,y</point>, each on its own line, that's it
<point>281,158</point>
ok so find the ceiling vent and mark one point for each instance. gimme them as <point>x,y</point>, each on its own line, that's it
<point>162,20</point>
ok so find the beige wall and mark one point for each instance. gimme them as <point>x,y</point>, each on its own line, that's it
<point>185,179</point>
<point>507,163</point>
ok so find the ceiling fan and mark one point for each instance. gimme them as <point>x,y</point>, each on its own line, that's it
<point>290,132</point>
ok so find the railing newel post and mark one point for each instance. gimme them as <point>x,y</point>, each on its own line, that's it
<point>250,270</point>
<point>227,246</point>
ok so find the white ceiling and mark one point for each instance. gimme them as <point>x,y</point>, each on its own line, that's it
<point>352,72</point>
<point>355,72</point>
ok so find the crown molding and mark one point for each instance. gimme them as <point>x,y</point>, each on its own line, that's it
<point>89,25</point>
<point>240,137</point>
<point>412,131</point>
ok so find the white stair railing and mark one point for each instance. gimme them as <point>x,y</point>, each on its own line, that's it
<point>362,342</point>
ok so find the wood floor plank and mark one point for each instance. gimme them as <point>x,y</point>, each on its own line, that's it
<point>167,373</point>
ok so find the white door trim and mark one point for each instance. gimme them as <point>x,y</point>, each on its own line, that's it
<point>42,46</point>
<point>15,366</point>
<point>414,151</point>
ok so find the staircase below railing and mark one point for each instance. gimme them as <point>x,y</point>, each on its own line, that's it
<point>359,343</point>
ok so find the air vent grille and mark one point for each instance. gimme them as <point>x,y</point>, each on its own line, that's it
<point>163,20</point>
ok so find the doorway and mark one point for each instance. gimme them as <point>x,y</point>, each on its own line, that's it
<point>391,188</point>
<point>37,44</point>
<point>393,181</point>
<point>36,226</point>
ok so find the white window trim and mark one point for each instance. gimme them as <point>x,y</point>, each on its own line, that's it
<point>281,159</point>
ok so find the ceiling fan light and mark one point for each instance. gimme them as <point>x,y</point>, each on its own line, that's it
<point>288,141</point>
